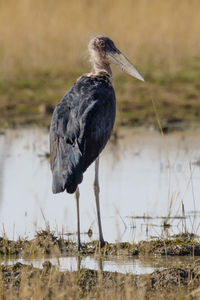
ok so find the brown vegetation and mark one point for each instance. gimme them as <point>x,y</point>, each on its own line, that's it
<point>26,282</point>
<point>159,36</point>
<point>43,50</point>
<point>45,243</point>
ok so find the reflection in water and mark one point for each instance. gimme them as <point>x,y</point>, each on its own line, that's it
<point>143,175</point>
<point>72,263</point>
<point>4,151</point>
<point>133,265</point>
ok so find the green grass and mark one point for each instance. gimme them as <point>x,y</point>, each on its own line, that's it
<point>31,98</point>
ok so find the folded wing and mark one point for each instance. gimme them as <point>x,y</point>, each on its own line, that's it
<point>81,126</point>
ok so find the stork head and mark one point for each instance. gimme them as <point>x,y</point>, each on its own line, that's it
<point>103,52</point>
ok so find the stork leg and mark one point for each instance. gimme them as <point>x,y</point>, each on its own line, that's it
<point>96,192</point>
<point>77,195</point>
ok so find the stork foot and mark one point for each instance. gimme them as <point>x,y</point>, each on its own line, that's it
<point>101,244</point>
<point>80,247</point>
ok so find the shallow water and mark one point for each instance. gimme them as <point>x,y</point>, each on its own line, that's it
<point>137,266</point>
<point>143,177</point>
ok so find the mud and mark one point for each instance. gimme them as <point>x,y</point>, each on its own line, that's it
<point>162,283</point>
<point>46,242</point>
<point>22,281</point>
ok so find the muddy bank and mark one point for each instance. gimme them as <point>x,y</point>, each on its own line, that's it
<point>21,281</point>
<point>24,281</point>
<point>46,242</point>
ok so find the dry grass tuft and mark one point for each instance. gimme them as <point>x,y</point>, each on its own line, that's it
<point>26,282</point>
<point>53,35</point>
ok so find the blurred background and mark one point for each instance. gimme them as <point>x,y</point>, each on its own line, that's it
<point>43,49</point>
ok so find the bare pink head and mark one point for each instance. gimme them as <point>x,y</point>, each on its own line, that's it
<point>103,52</point>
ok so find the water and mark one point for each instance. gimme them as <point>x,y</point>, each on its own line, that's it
<point>133,265</point>
<point>142,175</point>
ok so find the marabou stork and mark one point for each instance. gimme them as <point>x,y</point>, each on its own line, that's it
<point>83,121</point>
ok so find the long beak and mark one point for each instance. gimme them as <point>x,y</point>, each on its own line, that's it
<point>118,59</point>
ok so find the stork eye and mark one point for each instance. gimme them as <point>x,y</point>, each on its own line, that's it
<point>101,44</point>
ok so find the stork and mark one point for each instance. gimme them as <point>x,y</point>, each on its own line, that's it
<point>83,121</point>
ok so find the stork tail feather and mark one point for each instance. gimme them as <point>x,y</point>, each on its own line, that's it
<point>67,173</point>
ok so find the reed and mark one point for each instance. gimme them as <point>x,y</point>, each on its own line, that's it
<point>159,36</point>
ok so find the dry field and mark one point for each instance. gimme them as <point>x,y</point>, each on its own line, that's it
<point>43,49</point>
<point>159,36</point>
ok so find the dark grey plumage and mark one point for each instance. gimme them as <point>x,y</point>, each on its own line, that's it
<point>81,126</point>
<point>82,123</point>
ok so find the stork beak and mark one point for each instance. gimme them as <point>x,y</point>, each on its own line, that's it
<point>118,59</point>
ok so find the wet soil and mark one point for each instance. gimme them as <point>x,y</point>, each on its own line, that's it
<point>176,281</point>
<point>45,242</point>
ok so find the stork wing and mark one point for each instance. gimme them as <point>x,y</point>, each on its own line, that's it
<point>81,126</point>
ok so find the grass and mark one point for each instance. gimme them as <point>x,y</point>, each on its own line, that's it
<point>32,98</point>
<point>25,282</point>
<point>47,243</point>
<point>20,281</point>
<point>48,35</point>
<point>43,49</point>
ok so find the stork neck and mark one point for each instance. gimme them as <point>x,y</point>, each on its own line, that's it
<point>102,66</point>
